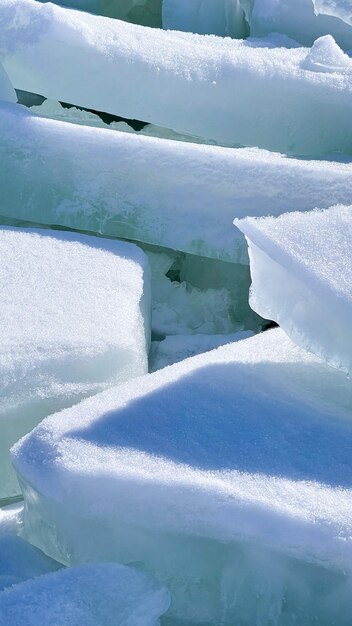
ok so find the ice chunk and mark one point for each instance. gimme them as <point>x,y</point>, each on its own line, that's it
<point>335,8</point>
<point>153,75</point>
<point>146,12</point>
<point>175,348</point>
<point>167,193</point>
<point>7,92</point>
<point>217,17</point>
<point>326,56</point>
<point>91,595</point>
<point>301,267</point>
<point>297,20</point>
<point>212,472</point>
<point>20,560</point>
<point>74,319</point>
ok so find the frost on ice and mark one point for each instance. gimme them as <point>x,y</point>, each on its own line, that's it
<point>152,75</point>
<point>81,307</point>
<point>91,595</point>
<point>176,469</point>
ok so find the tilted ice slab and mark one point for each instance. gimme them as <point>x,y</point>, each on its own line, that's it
<point>91,595</point>
<point>218,17</point>
<point>74,319</point>
<point>296,19</point>
<point>153,75</point>
<point>228,475</point>
<point>168,193</point>
<point>335,8</point>
<point>301,268</point>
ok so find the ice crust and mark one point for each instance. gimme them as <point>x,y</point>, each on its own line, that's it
<point>153,75</point>
<point>212,472</point>
<point>178,195</point>
<point>301,268</point>
<point>91,595</point>
<point>298,20</point>
<point>74,319</point>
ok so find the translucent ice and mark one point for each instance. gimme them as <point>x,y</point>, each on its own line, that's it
<point>335,8</point>
<point>74,319</point>
<point>178,195</point>
<point>153,75</point>
<point>91,595</point>
<point>7,92</point>
<point>298,20</point>
<point>218,17</point>
<point>326,56</point>
<point>301,267</point>
<point>212,472</point>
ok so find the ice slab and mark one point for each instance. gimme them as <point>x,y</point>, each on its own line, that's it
<point>7,92</point>
<point>212,472</point>
<point>74,319</point>
<point>218,17</point>
<point>167,193</point>
<point>153,75</point>
<point>341,9</point>
<point>301,267</point>
<point>91,595</point>
<point>297,20</point>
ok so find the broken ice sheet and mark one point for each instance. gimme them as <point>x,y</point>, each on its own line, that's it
<point>341,9</point>
<point>100,594</point>
<point>301,268</point>
<point>212,472</point>
<point>74,319</point>
<point>152,75</point>
<point>167,193</point>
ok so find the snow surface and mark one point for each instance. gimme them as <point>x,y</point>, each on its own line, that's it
<point>297,19</point>
<point>153,75</point>
<point>212,472</point>
<point>173,194</point>
<point>336,8</point>
<point>301,267</point>
<point>74,319</point>
<point>91,595</point>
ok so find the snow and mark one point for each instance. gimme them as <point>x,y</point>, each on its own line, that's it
<point>217,17</point>
<point>178,195</point>
<point>152,75</point>
<point>301,267</point>
<point>211,472</point>
<point>326,56</point>
<point>92,595</point>
<point>298,20</point>
<point>341,9</point>
<point>74,319</point>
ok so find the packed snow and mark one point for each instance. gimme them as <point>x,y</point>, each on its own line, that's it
<point>210,472</point>
<point>168,193</point>
<point>301,267</point>
<point>74,319</point>
<point>91,595</point>
<point>152,75</point>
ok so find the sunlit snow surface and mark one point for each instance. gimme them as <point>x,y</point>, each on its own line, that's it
<point>74,319</point>
<point>301,267</point>
<point>154,75</point>
<point>229,475</point>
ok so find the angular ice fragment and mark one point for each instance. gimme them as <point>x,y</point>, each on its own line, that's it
<point>301,267</point>
<point>217,17</point>
<point>91,595</point>
<point>20,561</point>
<point>74,319</point>
<point>167,193</point>
<point>326,56</point>
<point>153,75</point>
<point>7,92</point>
<point>297,20</point>
<point>228,475</point>
<point>335,8</point>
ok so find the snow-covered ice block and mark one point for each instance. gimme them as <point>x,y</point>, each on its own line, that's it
<point>301,268</point>
<point>326,56</point>
<point>341,9</point>
<point>228,475</point>
<point>218,17</point>
<point>153,75</point>
<point>298,20</point>
<point>178,195</point>
<point>100,594</point>
<point>74,319</point>
<point>7,92</point>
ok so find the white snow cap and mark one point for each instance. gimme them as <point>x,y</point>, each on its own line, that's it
<point>301,267</point>
<point>74,319</point>
<point>91,595</point>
